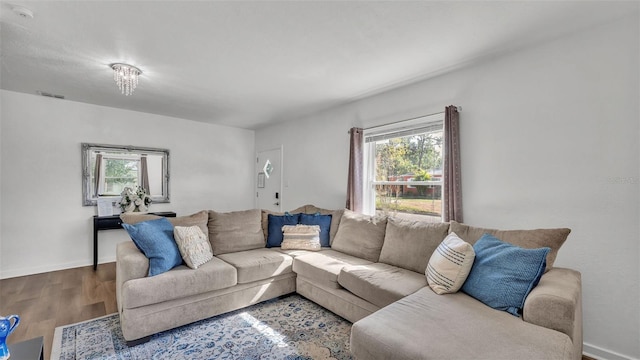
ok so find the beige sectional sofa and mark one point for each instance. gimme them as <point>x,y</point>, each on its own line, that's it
<point>373,275</point>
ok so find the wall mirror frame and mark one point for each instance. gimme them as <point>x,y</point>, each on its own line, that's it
<point>119,166</point>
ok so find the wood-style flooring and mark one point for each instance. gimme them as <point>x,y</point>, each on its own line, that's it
<point>46,301</point>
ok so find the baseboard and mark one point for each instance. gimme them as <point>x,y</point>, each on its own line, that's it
<point>49,268</point>
<point>599,353</point>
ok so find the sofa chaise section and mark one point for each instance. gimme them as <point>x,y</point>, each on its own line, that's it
<point>425,325</point>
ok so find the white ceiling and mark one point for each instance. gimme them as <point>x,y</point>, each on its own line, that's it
<point>247,64</point>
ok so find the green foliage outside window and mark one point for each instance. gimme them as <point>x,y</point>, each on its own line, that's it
<point>415,157</point>
<point>414,154</point>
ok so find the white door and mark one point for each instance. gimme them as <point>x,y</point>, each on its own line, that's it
<point>269,179</point>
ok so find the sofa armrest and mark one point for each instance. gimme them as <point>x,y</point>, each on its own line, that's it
<point>130,264</point>
<point>556,303</point>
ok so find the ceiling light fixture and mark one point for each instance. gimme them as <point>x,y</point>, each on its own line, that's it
<point>126,76</point>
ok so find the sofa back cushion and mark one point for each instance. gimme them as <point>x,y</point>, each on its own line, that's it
<point>409,244</point>
<point>360,235</point>
<point>336,215</point>
<point>528,239</point>
<point>235,231</point>
<point>198,219</point>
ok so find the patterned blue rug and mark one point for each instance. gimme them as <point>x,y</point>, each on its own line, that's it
<point>286,328</point>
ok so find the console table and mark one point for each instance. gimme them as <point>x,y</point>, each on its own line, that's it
<point>110,223</point>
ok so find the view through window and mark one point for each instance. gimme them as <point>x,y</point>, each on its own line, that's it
<point>116,174</point>
<point>403,169</point>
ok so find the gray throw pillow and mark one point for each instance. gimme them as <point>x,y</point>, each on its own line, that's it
<point>360,235</point>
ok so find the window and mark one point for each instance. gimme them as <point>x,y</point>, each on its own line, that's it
<point>403,168</point>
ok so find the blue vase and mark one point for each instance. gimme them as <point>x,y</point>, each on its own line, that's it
<point>6,328</point>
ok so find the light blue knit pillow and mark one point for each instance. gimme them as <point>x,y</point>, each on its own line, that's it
<point>503,274</point>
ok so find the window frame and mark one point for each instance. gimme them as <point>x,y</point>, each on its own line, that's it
<point>390,131</point>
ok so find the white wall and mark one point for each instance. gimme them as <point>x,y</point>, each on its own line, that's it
<point>549,139</point>
<point>44,225</point>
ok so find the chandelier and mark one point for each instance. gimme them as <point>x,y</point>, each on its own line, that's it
<point>126,76</point>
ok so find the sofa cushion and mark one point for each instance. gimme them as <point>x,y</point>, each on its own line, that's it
<point>178,283</point>
<point>301,237</point>
<point>450,265</point>
<point>409,244</point>
<point>528,239</point>
<point>323,221</point>
<point>193,244</point>
<point>199,219</point>
<point>360,235</point>
<point>456,326</point>
<point>294,253</point>
<point>258,264</point>
<point>336,216</point>
<point>275,224</point>
<point>380,284</point>
<point>324,266</point>
<point>155,239</point>
<point>235,231</point>
<point>503,274</point>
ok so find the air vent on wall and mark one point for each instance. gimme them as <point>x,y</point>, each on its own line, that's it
<point>44,93</point>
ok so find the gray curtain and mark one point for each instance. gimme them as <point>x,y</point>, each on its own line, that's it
<point>97,175</point>
<point>354,182</point>
<point>144,169</point>
<point>452,185</point>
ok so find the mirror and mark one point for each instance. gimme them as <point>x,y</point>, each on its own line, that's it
<point>108,169</point>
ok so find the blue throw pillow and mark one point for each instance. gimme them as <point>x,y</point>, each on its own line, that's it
<point>155,239</point>
<point>324,221</point>
<point>276,222</point>
<point>503,274</point>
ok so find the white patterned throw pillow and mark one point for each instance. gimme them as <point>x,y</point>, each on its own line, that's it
<point>193,245</point>
<point>450,265</point>
<point>301,237</point>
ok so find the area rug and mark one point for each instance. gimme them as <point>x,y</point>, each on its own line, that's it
<point>290,327</point>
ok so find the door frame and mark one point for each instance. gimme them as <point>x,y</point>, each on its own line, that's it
<point>258,169</point>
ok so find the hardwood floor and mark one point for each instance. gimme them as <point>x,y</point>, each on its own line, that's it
<point>46,301</point>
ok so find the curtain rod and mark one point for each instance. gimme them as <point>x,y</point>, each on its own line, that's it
<point>459,108</point>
